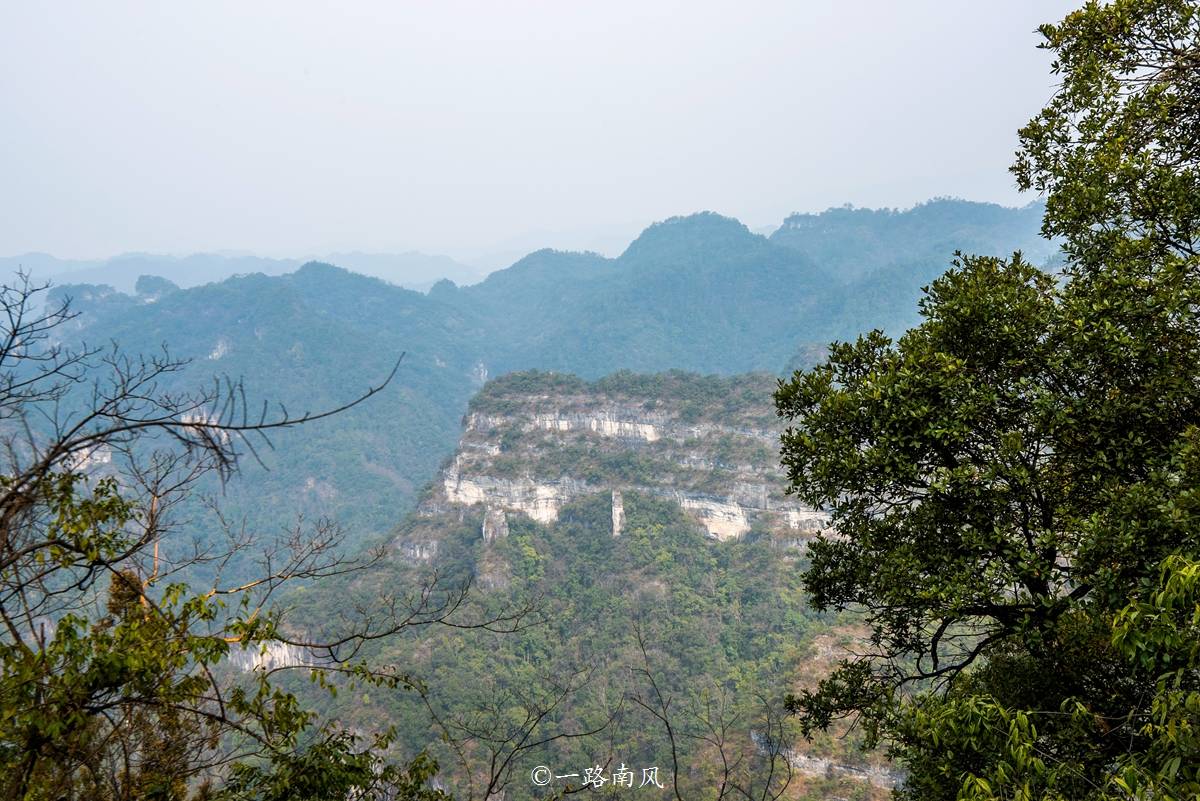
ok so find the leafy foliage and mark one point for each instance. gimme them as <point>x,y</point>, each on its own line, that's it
<point>1115,149</point>
<point>1007,477</point>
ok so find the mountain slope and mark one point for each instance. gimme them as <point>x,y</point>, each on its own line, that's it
<point>635,510</point>
<point>701,293</point>
<point>697,293</point>
<point>312,340</point>
<point>853,243</point>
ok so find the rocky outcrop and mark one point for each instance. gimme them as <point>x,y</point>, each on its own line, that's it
<point>540,501</point>
<point>532,450</point>
<point>270,656</point>
<point>606,424</point>
<point>618,422</point>
<point>416,551</point>
<point>877,775</point>
<point>90,458</point>
<point>723,519</point>
<point>495,524</point>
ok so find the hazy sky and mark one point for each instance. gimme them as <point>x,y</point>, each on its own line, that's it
<point>296,127</point>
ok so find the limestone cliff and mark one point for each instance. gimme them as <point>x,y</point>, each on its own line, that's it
<point>533,442</point>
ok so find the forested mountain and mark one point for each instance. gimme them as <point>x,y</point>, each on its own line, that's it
<point>699,293</point>
<point>853,243</point>
<point>696,293</point>
<point>643,517</point>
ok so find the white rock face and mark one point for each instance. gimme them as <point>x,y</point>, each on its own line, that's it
<point>806,519</point>
<point>418,551</point>
<point>724,518</point>
<point>617,423</point>
<point>821,767</point>
<point>272,655</point>
<point>541,501</point>
<point>724,521</point>
<point>826,768</point>
<point>89,458</point>
<point>605,425</point>
<point>205,418</point>
<point>495,525</point>
<point>721,469</point>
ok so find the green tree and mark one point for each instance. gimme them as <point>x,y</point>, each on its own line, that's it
<point>1007,477</point>
<point>1115,150</point>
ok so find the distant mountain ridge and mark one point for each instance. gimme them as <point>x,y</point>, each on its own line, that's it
<point>700,293</point>
<point>883,236</point>
<point>411,270</point>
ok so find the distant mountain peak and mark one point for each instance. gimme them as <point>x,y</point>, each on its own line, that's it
<point>701,221</point>
<point>320,268</point>
<point>154,287</point>
<point>705,230</point>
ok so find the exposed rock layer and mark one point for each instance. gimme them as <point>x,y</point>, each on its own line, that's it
<point>531,451</point>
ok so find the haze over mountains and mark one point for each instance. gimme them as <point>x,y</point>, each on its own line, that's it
<point>816,235</point>
<point>411,270</point>
<point>699,293</point>
<point>547,437</point>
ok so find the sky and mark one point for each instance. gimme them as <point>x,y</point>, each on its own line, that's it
<point>470,128</point>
